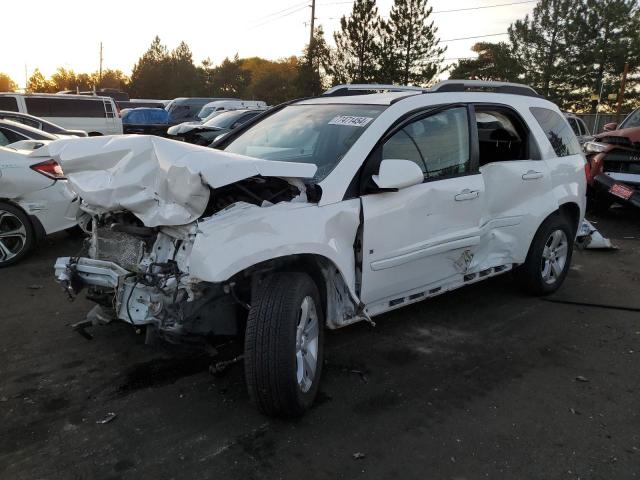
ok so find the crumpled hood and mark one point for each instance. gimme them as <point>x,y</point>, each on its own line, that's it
<point>183,128</point>
<point>161,181</point>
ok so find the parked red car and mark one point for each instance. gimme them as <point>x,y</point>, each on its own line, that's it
<point>614,163</point>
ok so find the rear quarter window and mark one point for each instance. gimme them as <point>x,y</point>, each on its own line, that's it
<point>558,131</point>
<point>9,104</point>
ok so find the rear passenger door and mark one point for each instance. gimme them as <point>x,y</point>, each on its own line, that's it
<point>517,186</point>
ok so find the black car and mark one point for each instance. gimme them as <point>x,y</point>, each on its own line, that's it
<point>39,123</point>
<point>206,133</point>
<point>11,132</point>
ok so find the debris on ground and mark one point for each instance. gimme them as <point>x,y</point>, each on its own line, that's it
<point>580,378</point>
<point>107,418</point>
<point>35,287</point>
<point>574,411</point>
<point>590,238</point>
<point>359,456</point>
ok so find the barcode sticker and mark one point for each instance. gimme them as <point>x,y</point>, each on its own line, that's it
<point>350,121</point>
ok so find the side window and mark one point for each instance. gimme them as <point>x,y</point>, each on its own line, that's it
<point>560,135</point>
<point>9,104</point>
<point>574,125</point>
<point>438,144</point>
<point>9,136</point>
<point>502,135</point>
<point>65,107</point>
<point>583,128</point>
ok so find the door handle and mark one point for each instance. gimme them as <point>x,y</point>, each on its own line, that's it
<point>532,175</point>
<point>467,194</point>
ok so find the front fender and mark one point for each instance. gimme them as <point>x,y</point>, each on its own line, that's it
<point>245,235</point>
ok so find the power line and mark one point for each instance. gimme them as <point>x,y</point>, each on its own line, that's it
<point>452,10</point>
<point>304,7</point>
<point>281,11</point>
<point>485,6</point>
<point>475,36</point>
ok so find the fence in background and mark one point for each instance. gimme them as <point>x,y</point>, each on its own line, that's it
<point>590,120</point>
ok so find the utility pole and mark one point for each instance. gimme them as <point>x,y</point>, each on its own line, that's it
<point>623,84</point>
<point>313,19</point>
<point>100,70</point>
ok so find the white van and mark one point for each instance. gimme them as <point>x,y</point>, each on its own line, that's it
<point>94,115</point>
<point>223,105</point>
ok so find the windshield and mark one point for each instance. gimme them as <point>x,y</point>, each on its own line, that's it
<point>224,120</point>
<point>317,134</point>
<point>205,112</point>
<point>632,121</point>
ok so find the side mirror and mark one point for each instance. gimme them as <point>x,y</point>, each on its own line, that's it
<point>397,174</point>
<point>608,127</point>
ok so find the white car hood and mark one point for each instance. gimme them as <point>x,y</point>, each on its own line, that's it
<point>161,181</point>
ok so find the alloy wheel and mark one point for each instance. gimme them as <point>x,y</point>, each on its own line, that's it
<point>307,333</point>
<point>13,236</point>
<point>554,256</point>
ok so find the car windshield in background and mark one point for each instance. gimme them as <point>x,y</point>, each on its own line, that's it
<point>318,134</point>
<point>224,120</point>
<point>632,121</point>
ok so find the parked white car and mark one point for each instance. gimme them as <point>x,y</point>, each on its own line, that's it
<point>211,109</point>
<point>34,200</point>
<point>95,115</point>
<point>325,212</point>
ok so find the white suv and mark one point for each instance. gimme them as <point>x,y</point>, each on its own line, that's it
<point>324,212</point>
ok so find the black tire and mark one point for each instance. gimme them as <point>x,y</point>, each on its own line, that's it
<point>12,219</point>
<point>531,273</point>
<point>271,352</point>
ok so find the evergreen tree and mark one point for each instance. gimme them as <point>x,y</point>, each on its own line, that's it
<point>543,44</point>
<point>356,54</point>
<point>230,79</point>
<point>418,57</point>
<point>495,62</point>
<point>150,73</point>
<point>37,83</point>
<point>183,75</point>
<point>313,66</point>
<point>608,35</point>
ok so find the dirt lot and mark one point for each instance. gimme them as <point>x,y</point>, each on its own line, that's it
<point>480,383</point>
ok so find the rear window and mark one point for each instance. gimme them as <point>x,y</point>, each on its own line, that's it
<point>9,104</point>
<point>558,131</point>
<point>65,107</point>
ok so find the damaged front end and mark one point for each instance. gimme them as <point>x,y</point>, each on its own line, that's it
<point>136,263</point>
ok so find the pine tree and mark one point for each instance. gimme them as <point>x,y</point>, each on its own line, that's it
<point>495,62</point>
<point>418,57</point>
<point>544,43</point>
<point>356,54</point>
<point>150,73</point>
<point>608,35</point>
<point>313,66</point>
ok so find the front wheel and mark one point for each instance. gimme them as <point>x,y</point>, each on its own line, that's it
<point>284,344</point>
<point>549,257</point>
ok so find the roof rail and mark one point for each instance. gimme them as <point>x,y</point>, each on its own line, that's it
<point>359,88</point>
<point>482,86</point>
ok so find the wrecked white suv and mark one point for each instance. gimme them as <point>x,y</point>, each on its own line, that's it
<point>323,212</point>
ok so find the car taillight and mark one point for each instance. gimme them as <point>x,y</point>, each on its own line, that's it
<point>587,170</point>
<point>49,168</point>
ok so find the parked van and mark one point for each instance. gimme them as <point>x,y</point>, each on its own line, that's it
<point>95,115</point>
<point>223,105</point>
<point>185,109</point>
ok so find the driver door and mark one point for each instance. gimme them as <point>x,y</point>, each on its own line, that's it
<point>424,236</point>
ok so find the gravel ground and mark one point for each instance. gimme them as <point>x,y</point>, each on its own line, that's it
<point>480,383</point>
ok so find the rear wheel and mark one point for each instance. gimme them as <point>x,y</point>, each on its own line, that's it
<point>549,257</point>
<point>16,234</point>
<point>283,344</point>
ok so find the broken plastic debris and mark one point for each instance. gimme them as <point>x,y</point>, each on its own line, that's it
<point>34,287</point>
<point>589,237</point>
<point>580,378</point>
<point>359,455</point>
<point>107,418</point>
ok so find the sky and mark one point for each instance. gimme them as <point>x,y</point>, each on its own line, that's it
<point>70,36</point>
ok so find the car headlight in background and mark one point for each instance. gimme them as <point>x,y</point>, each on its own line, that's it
<point>595,147</point>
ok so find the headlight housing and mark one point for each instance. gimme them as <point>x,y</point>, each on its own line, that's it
<point>595,147</point>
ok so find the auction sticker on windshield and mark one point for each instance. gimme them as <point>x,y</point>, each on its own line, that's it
<point>350,121</point>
